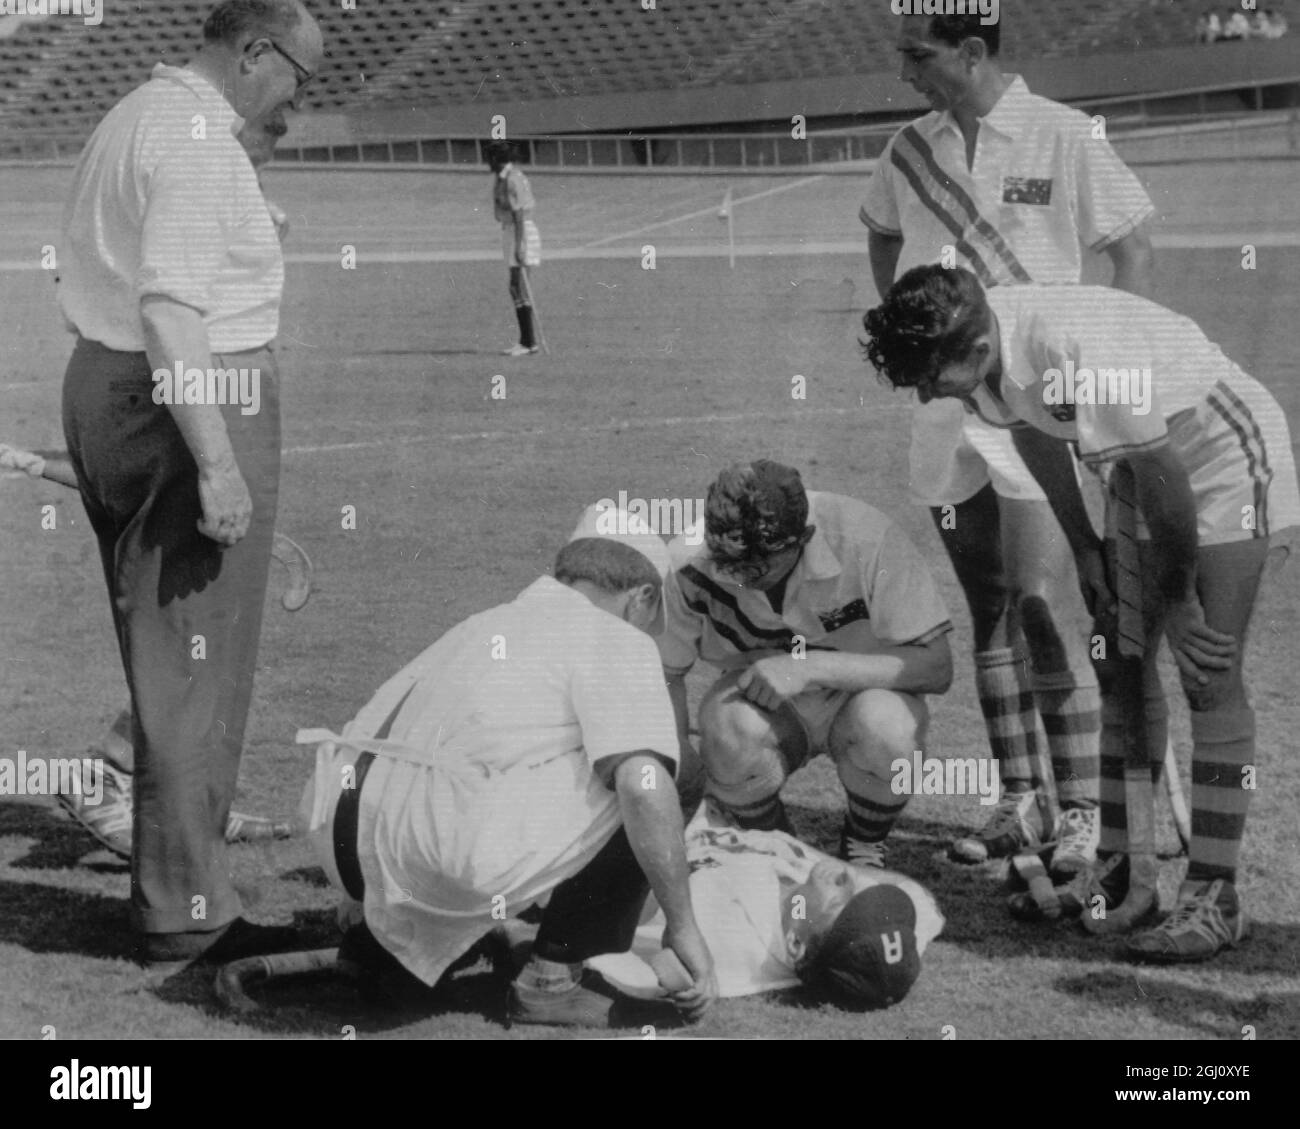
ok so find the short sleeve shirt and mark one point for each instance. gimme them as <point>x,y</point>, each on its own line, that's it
<point>165,202</point>
<point>859,586</point>
<point>1098,366</point>
<point>1042,185</point>
<point>511,193</point>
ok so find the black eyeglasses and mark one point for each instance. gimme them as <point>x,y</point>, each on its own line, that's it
<point>300,73</point>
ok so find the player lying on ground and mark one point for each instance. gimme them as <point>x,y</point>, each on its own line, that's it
<point>1150,400</point>
<point>829,631</point>
<point>776,914</point>
<point>528,756</point>
<point>109,820</point>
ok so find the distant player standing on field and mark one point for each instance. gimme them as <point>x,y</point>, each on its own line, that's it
<point>1011,186</point>
<point>521,243</point>
<point>829,632</point>
<point>1203,452</point>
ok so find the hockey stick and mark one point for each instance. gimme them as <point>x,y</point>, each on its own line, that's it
<point>56,467</point>
<point>1142,896</point>
<point>537,310</point>
<point>1177,800</point>
<point>234,979</point>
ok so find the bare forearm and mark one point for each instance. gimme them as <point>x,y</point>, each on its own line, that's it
<point>909,670</point>
<point>1052,465</point>
<point>176,337</point>
<point>883,251</point>
<point>1134,262</point>
<point>652,819</point>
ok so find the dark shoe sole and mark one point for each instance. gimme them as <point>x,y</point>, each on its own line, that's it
<point>241,938</point>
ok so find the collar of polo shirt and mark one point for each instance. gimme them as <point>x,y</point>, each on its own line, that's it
<point>220,113</point>
<point>1007,117</point>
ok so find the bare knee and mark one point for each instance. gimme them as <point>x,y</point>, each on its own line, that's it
<point>877,727</point>
<point>733,734</point>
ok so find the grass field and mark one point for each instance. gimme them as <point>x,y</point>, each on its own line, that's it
<point>656,380</point>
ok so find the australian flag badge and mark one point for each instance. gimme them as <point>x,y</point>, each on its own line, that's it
<point>1026,190</point>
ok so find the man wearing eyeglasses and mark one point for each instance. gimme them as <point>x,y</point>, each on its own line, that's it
<point>829,632</point>
<point>171,265</point>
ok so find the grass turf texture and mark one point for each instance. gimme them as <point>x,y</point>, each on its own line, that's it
<point>657,379</point>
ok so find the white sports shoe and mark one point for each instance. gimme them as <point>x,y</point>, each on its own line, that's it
<point>519,351</point>
<point>109,821</point>
<point>1078,832</point>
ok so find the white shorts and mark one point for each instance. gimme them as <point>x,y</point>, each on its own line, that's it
<point>1236,447</point>
<point>955,454</point>
<point>532,244</point>
<point>817,711</point>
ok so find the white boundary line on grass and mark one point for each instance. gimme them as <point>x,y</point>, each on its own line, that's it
<point>1193,240</point>
<point>586,429</point>
<point>702,212</point>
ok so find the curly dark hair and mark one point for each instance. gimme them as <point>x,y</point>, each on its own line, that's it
<point>929,319</point>
<point>754,510</point>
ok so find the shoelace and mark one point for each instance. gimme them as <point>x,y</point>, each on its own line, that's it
<point>1202,917</point>
<point>858,851</point>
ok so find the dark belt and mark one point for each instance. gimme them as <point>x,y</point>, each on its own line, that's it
<point>348,812</point>
<point>345,831</point>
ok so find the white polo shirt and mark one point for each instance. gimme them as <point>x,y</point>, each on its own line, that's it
<point>509,728</point>
<point>1147,365</point>
<point>859,586</point>
<point>164,201</point>
<point>1041,186</point>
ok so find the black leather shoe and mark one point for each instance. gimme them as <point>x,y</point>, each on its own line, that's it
<point>241,938</point>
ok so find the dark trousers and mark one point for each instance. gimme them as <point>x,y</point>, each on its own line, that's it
<point>169,585</point>
<point>598,909</point>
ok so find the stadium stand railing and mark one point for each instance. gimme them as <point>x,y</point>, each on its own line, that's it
<point>407,82</point>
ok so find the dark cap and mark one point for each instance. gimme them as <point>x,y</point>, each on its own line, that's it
<point>869,958</point>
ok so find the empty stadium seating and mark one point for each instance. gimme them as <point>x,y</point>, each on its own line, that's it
<point>57,75</point>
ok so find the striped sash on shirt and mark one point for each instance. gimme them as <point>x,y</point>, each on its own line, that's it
<point>975,238</point>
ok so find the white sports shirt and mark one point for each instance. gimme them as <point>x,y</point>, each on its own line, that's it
<point>740,883</point>
<point>1042,184</point>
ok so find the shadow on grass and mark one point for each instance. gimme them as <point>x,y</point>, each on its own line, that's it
<point>60,843</point>
<point>50,919</point>
<point>1273,1015</point>
<point>327,1003</point>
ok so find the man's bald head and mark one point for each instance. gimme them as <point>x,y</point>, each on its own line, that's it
<point>232,20</point>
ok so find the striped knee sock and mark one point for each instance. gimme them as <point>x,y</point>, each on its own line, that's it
<point>1070,706</point>
<point>762,815</point>
<point>874,807</point>
<point>1001,681</point>
<point>1223,743</point>
<point>1114,738</point>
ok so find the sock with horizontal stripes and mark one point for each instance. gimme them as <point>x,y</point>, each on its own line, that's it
<point>873,805</point>
<point>1001,682</point>
<point>1223,744</point>
<point>1070,706</point>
